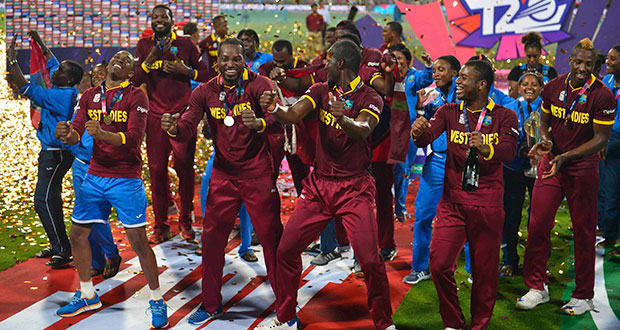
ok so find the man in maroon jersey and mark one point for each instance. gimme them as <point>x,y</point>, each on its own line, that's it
<point>392,35</point>
<point>116,119</point>
<point>283,59</point>
<point>167,64</point>
<point>578,112</point>
<point>210,44</point>
<point>347,111</point>
<point>476,216</point>
<point>242,169</point>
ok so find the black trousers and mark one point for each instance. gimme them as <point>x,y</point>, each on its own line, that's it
<point>53,165</point>
<point>515,184</point>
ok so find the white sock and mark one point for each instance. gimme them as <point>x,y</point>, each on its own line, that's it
<point>156,294</point>
<point>88,291</point>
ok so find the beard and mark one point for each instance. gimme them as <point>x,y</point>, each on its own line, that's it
<point>163,33</point>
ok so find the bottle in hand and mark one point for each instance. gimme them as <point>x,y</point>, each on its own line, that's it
<point>471,171</point>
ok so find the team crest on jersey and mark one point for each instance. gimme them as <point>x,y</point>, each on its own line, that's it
<point>582,99</point>
<point>255,66</point>
<point>486,121</point>
<point>97,97</point>
<point>410,78</point>
<point>562,96</point>
<point>461,119</point>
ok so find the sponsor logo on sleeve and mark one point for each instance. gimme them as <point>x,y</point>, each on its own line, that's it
<point>374,107</point>
<point>609,111</point>
<point>515,130</point>
<point>142,110</point>
<point>372,64</point>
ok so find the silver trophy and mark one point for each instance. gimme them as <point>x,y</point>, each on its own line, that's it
<point>532,137</point>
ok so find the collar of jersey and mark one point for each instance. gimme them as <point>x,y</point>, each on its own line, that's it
<point>490,106</point>
<point>122,85</point>
<point>246,76</point>
<point>390,45</point>
<point>174,36</point>
<point>353,84</point>
<point>572,89</point>
<point>214,37</point>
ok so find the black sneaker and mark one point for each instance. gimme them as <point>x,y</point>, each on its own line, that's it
<point>388,254</point>
<point>325,258</point>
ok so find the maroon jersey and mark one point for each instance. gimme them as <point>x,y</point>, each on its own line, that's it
<point>314,22</point>
<point>266,68</point>
<point>240,153</point>
<point>597,106</point>
<point>319,59</point>
<point>338,154</point>
<point>500,130</point>
<point>367,74</point>
<point>385,47</point>
<point>128,119</point>
<point>168,93</point>
<point>371,57</point>
<point>210,45</point>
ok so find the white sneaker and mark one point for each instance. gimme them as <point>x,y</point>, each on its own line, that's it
<point>274,324</point>
<point>448,328</point>
<point>533,298</point>
<point>391,327</point>
<point>577,306</point>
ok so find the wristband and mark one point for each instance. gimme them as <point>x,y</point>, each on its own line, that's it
<point>278,107</point>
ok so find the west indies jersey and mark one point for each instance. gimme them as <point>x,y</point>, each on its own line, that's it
<point>337,154</point>
<point>128,119</point>
<point>500,130</point>
<point>240,152</point>
<point>596,106</point>
<point>210,45</point>
<point>168,93</point>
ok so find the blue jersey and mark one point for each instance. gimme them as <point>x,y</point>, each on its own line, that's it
<point>500,98</point>
<point>259,59</point>
<point>609,81</point>
<point>441,143</point>
<point>83,150</point>
<point>520,164</point>
<point>57,104</point>
<point>414,81</point>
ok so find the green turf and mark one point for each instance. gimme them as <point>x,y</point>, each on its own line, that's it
<point>419,309</point>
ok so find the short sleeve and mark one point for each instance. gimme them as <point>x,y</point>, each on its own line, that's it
<point>313,94</point>
<point>604,107</point>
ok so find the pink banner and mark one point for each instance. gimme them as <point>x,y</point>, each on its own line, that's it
<point>454,10</point>
<point>428,23</point>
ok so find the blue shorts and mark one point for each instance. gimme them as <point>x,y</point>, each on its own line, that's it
<point>98,194</point>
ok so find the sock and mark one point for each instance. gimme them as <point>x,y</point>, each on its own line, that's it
<point>156,294</point>
<point>88,291</point>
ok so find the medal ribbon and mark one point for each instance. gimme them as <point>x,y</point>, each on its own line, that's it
<point>480,119</point>
<point>342,94</point>
<point>581,92</point>
<point>117,97</point>
<point>239,90</point>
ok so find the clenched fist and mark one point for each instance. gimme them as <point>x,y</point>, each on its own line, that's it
<point>419,126</point>
<point>169,122</point>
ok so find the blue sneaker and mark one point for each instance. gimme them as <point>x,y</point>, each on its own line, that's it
<point>159,313</point>
<point>79,305</point>
<point>201,315</point>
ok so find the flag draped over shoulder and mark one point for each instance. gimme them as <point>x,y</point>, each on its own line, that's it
<point>38,75</point>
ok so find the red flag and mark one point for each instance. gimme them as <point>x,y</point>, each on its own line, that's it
<point>38,75</point>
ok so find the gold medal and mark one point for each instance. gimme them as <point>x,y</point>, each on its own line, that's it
<point>107,119</point>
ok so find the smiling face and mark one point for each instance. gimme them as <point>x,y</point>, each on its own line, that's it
<point>161,22</point>
<point>581,66</point>
<point>529,88</point>
<point>613,62</point>
<point>98,74</point>
<point>231,62</point>
<point>121,66</point>
<point>468,84</point>
<point>443,73</point>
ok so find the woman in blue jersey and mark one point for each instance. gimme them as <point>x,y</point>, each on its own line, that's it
<point>515,179</point>
<point>445,71</point>
<point>532,43</point>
